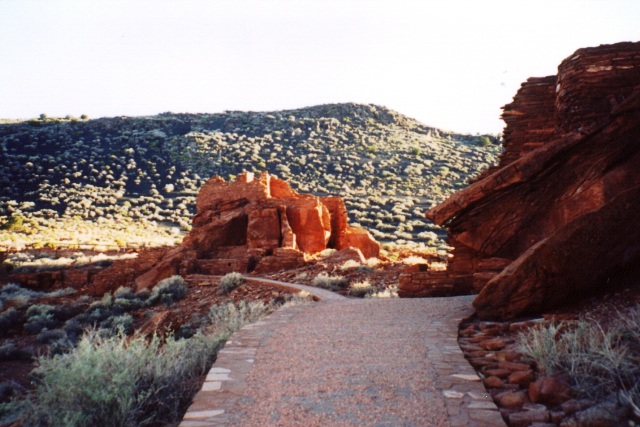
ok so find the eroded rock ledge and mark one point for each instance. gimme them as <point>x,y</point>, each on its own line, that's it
<point>555,219</point>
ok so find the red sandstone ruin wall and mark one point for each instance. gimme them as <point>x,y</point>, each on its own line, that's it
<point>258,224</point>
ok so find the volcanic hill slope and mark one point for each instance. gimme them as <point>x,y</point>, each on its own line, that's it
<point>135,179</point>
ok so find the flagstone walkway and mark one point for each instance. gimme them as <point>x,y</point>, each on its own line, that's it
<point>347,362</point>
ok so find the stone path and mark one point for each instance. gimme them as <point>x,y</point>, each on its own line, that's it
<point>347,362</point>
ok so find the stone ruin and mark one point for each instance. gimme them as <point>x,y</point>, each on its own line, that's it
<point>557,218</point>
<point>258,224</point>
<point>254,224</point>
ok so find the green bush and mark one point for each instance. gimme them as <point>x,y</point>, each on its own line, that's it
<point>229,282</point>
<point>484,141</point>
<point>14,223</point>
<point>333,283</point>
<point>168,291</point>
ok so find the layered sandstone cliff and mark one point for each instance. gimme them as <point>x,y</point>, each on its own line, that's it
<point>558,210</point>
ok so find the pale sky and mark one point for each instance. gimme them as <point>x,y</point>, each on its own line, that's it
<point>450,64</point>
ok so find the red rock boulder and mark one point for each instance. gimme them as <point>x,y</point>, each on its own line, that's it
<point>559,209</point>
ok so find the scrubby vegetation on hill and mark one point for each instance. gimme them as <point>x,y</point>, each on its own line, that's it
<point>138,177</point>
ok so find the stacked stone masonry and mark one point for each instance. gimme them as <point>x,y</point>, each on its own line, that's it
<point>258,224</point>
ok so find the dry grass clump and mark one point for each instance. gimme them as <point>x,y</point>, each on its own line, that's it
<point>601,358</point>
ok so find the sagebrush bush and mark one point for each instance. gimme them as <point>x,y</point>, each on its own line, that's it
<point>168,291</point>
<point>48,336</point>
<point>127,300</point>
<point>333,283</point>
<point>361,289</point>
<point>123,381</point>
<point>10,319</point>
<point>229,282</point>
<point>8,350</point>
<point>600,359</point>
<point>39,317</point>
<point>119,381</point>
<point>349,264</point>
<point>122,323</point>
<point>226,318</point>
<point>14,292</point>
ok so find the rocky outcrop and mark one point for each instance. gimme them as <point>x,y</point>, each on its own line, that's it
<point>558,210</point>
<point>258,224</point>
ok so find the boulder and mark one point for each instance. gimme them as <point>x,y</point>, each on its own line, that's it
<point>552,390</point>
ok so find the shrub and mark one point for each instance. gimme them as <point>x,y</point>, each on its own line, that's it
<point>14,292</point>
<point>229,282</point>
<point>168,291</point>
<point>226,318</point>
<point>10,319</point>
<point>8,350</point>
<point>117,324</point>
<point>73,329</point>
<point>413,260</point>
<point>361,289</point>
<point>389,292</point>
<point>14,223</point>
<point>350,263</point>
<point>39,317</point>
<point>333,283</point>
<point>484,141</point>
<point>115,381</point>
<point>48,336</point>
<point>126,300</point>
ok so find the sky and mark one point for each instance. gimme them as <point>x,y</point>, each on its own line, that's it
<point>449,64</point>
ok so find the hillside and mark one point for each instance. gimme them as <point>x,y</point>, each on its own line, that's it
<point>133,181</point>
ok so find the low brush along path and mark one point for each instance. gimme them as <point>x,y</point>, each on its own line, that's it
<point>347,362</point>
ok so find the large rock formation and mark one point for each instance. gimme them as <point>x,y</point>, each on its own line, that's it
<point>559,209</point>
<point>258,224</point>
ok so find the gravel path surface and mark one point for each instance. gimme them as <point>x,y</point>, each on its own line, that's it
<point>372,362</point>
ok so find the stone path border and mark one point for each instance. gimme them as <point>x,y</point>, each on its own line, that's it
<point>467,401</point>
